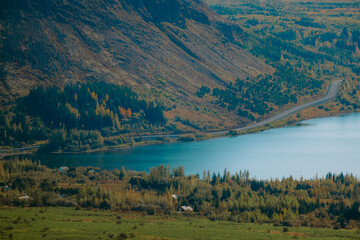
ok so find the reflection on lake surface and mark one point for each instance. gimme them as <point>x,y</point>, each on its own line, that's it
<point>321,146</point>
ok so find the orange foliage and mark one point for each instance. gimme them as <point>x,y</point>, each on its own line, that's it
<point>125,112</point>
<point>128,112</point>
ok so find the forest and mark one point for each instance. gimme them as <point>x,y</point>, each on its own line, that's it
<point>264,93</point>
<point>331,201</point>
<point>79,112</point>
<point>318,39</point>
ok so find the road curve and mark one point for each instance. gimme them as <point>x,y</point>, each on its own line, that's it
<point>331,93</point>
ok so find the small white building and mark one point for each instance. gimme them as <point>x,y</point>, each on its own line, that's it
<point>25,198</point>
<point>64,168</point>
<point>186,209</point>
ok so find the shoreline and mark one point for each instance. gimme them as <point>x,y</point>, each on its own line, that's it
<point>281,119</point>
<point>273,125</point>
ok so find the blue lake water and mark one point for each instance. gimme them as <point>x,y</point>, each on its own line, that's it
<point>322,145</point>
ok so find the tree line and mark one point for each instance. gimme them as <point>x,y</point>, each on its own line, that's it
<point>89,106</point>
<point>329,201</point>
<point>94,107</point>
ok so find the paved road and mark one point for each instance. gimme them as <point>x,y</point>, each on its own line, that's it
<point>19,149</point>
<point>331,93</point>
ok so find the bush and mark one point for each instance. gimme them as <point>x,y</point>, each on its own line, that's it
<point>121,236</point>
<point>186,138</point>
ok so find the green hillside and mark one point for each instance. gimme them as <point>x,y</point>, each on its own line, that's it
<point>319,39</point>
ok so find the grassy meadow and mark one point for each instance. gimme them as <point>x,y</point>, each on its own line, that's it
<point>68,223</point>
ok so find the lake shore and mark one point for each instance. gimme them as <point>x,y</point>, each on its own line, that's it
<point>316,146</point>
<point>288,121</point>
<point>281,119</point>
<point>277,124</point>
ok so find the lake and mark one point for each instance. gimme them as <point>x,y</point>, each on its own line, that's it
<point>319,146</point>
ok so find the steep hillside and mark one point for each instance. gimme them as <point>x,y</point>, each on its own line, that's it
<point>171,44</point>
<point>320,38</point>
<point>178,56</point>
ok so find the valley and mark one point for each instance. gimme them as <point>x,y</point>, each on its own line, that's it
<point>207,72</point>
<point>179,119</point>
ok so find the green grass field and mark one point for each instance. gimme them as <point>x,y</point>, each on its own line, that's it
<point>67,223</point>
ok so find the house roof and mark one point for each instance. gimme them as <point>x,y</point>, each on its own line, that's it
<point>187,208</point>
<point>26,198</point>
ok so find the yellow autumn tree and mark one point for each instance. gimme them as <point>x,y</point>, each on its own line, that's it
<point>117,122</point>
<point>122,112</point>
<point>73,110</point>
<point>94,96</point>
<point>128,113</point>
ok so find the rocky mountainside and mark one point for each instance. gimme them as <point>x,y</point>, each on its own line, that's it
<point>168,46</point>
<point>182,43</point>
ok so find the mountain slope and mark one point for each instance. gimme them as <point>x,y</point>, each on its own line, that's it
<point>171,44</point>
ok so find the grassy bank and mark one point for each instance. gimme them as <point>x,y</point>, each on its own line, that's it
<point>67,223</point>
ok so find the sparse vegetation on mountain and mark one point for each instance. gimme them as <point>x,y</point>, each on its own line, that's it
<point>165,50</point>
